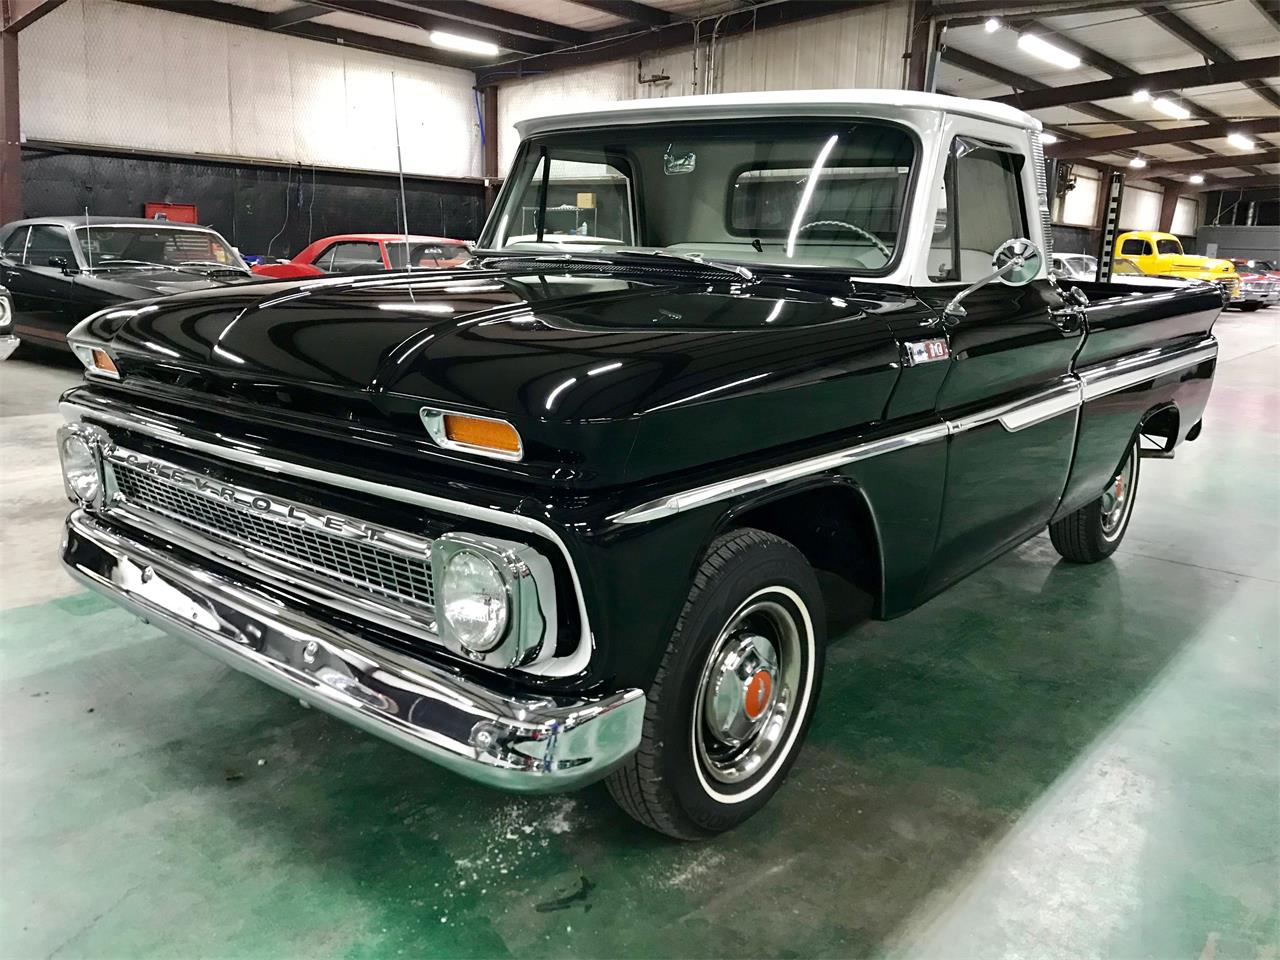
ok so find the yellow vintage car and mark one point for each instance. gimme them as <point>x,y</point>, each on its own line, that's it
<point>1161,255</point>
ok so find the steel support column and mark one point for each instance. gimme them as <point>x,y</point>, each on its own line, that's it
<point>922,57</point>
<point>1169,206</point>
<point>11,157</point>
<point>490,159</point>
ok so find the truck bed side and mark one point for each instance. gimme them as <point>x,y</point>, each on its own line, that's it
<point>1134,332</point>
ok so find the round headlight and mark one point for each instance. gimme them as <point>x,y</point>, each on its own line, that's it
<point>6,311</point>
<point>474,601</point>
<point>80,468</point>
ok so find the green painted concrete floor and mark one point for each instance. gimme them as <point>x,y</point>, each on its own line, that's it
<point>1047,761</point>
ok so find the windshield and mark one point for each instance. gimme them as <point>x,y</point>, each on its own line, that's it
<point>162,246</point>
<point>1125,266</point>
<point>1169,246</point>
<point>820,193</point>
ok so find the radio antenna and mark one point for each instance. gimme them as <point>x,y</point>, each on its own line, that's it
<point>404,209</point>
<point>88,239</point>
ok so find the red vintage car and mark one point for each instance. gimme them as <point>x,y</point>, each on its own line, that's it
<point>1259,284</point>
<point>367,253</point>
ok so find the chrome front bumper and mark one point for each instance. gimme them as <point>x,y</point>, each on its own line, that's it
<point>8,344</point>
<point>527,744</point>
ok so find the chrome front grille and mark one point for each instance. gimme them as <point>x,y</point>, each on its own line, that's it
<point>389,564</point>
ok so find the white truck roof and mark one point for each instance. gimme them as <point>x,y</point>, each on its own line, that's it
<point>777,103</point>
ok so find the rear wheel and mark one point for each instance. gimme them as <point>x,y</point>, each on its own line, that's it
<point>733,696</point>
<point>1250,307</point>
<point>1093,532</point>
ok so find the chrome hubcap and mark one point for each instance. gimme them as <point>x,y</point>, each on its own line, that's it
<point>746,697</point>
<point>741,689</point>
<point>1115,499</point>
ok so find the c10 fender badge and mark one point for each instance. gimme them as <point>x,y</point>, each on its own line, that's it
<point>926,351</point>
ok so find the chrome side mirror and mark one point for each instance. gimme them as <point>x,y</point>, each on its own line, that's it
<point>1017,263</point>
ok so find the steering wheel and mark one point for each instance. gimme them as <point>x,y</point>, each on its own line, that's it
<point>875,241</point>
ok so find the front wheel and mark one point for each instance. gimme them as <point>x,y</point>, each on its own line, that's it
<point>1250,307</point>
<point>1093,532</point>
<point>732,699</point>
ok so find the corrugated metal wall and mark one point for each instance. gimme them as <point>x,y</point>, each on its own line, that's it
<point>863,48</point>
<point>118,75</point>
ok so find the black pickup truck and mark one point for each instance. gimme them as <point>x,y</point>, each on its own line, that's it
<point>555,515</point>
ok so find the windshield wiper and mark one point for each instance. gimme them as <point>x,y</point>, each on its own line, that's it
<point>111,264</point>
<point>218,267</point>
<point>695,258</point>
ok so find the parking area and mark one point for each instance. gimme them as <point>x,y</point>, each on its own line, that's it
<point>1048,760</point>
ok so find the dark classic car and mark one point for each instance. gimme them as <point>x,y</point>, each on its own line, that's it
<point>555,516</point>
<point>8,341</point>
<point>61,269</point>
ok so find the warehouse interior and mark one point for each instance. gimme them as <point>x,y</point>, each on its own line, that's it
<point>1044,760</point>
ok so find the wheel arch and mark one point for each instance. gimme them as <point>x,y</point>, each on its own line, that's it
<point>829,519</point>
<point>1164,420</point>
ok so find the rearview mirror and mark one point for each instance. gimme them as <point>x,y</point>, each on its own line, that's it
<point>1017,262</point>
<point>1023,260</point>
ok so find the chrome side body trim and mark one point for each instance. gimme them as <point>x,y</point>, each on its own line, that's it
<point>1066,396</point>
<point>566,666</point>
<point>724,489</point>
<point>527,744</point>
<point>1120,374</point>
<point>1061,398</point>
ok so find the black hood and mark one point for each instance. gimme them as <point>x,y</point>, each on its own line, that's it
<point>561,355</point>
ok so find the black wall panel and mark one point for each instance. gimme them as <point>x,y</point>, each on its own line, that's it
<point>262,210</point>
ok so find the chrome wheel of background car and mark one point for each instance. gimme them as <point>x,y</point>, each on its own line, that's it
<point>1117,499</point>
<point>747,696</point>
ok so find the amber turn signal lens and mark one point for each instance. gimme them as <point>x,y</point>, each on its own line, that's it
<point>486,434</point>
<point>102,361</point>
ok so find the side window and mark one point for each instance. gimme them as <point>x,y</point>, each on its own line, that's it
<point>325,260</point>
<point>16,244</point>
<point>980,206</point>
<point>352,257</point>
<point>1133,247</point>
<point>47,242</point>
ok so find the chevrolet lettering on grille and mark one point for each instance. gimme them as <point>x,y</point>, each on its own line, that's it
<point>285,511</point>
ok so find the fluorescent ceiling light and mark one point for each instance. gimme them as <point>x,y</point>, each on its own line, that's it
<point>1170,109</point>
<point>451,41</point>
<point>992,25</point>
<point>1240,141</point>
<point>1141,96</point>
<point>1048,138</point>
<point>1196,178</point>
<point>1047,52</point>
<point>1137,163</point>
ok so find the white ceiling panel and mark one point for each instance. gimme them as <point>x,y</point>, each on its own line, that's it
<point>1002,48</point>
<point>1237,26</point>
<point>266,6</point>
<point>378,28</point>
<point>962,83</point>
<point>559,11</point>
<point>1128,36</point>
